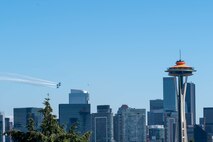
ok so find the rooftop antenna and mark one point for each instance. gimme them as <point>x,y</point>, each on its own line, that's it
<point>180,54</point>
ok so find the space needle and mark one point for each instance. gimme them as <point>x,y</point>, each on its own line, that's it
<point>181,71</point>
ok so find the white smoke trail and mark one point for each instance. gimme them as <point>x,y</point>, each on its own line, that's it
<point>27,80</point>
<point>25,77</point>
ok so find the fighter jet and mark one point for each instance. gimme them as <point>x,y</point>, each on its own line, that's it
<point>58,85</point>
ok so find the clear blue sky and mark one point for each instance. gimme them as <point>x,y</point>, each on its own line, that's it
<point>120,48</point>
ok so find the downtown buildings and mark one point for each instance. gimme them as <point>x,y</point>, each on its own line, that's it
<point>5,125</point>
<point>128,124</point>
<point>165,116</point>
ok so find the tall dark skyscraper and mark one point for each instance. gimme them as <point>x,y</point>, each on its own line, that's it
<point>70,114</point>
<point>102,124</point>
<point>2,127</point>
<point>22,115</point>
<point>208,121</point>
<point>199,134</point>
<point>169,94</point>
<point>190,104</point>
<point>77,111</point>
<point>8,127</point>
<point>170,107</point>
<point>156,113</point>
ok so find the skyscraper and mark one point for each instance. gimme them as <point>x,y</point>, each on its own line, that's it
<point>208,122</point>
<point>102,124</point>
<point>156,113</point>
<point>22,115</point>
<point>78,97</point>
<point>170,123</point>
<point>130,125</point>
<point>70,114</point>
<point>8,127</point>
<point>2,127</point>
<point>77,111</point>
<point>190,104</point>
<point>169,94</point>
<point>200,135</point>
<point>170,107</point>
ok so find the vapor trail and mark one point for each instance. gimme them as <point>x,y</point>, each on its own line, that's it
<point>25,77</point>
<point>27,80</point>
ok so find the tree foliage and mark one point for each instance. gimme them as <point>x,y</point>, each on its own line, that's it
<point>50,130</point>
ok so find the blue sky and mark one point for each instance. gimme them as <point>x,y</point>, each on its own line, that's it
<point>120,48</point>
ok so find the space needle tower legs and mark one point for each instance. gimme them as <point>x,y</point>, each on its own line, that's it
<point>182,129</point>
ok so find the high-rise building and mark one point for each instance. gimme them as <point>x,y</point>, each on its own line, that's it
<point>2,127</point>
<point>78,97</point>
<point>70,114</point>
<point>22,115</point>
<point>77,111</point>
<point>130,125</point>
<point>190,104</point>
<point>156,133</point>
<point>156,113</point>
<point>170,108</point>
<point>102,124</point>
<point>208,122</point>
<point>170,126</point>
<point>196,133</point>
<point>169,94</point>
<point>8,127</point>
<point>200,135</point>
<point>190,133</point>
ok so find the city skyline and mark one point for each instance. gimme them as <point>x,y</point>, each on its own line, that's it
<point>114,51</point>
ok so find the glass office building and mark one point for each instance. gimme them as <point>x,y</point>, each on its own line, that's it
<point>156,111</point>
<point>169,94</point>
<point>77,111</point>
<point>70,114</point>
<point>190,104</point>
<point>22,115</point>
<point>102,124</point>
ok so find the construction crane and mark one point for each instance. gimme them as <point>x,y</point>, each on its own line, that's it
<point>12,77</point>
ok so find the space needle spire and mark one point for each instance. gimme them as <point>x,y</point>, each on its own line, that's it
<point>181,71</point>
